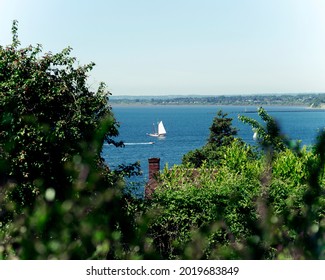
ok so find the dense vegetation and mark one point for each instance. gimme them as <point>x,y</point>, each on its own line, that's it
<point>59,200</point>
<point>242,202</point>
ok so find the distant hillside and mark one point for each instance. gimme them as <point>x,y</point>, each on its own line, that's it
<point>309,100</point>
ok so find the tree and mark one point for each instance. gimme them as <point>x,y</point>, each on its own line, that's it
<point>48,116</point>
<point>222,133</point>
<point>58,198</point>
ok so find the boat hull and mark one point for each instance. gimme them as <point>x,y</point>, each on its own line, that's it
<point>160,132</point>
<point>156,135</point>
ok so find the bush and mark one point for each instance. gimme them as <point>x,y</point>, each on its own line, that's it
<point>195,200</point>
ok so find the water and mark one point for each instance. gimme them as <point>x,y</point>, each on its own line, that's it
<point>188,128</point>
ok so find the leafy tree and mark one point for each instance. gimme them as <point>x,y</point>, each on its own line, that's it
<point>58,199</point>
<point>48,115</point>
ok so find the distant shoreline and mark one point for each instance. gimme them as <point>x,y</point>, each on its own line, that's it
<point>310,101</point>
<point>301,108</point>
<point>210,105</point>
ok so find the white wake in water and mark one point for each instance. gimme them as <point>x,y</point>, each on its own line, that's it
<point>143,143</point>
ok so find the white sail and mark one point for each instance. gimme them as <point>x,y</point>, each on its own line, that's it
<point>161,131</point>
<point>161,128</point>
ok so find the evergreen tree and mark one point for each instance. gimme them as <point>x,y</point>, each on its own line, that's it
<point>222,133</point>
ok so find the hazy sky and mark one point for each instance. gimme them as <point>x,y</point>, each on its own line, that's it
<point>160,47</point>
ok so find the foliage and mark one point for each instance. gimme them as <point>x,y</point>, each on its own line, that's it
<point>245,206</point>
<point>221,131</point>
<point>268,135</point>
<point>58,199</point>
<point>48,115</point>
<point>213,202</point>
<point>221,134</point>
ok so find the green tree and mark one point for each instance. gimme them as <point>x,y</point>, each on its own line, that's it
<point>48,115</point>
<point>58,199</point>
<point>222,133</point>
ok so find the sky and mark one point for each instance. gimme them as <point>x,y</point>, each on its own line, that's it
<point>182,47</point>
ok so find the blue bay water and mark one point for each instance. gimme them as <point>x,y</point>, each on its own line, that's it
<point>188,128</point>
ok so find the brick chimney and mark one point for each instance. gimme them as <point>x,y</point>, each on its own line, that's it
<point>154,167</point>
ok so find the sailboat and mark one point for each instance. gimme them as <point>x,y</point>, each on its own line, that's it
<point>160,132</point>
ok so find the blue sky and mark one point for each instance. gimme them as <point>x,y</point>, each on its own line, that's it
<point>163,47</point>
